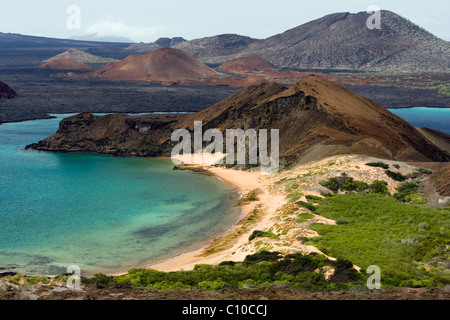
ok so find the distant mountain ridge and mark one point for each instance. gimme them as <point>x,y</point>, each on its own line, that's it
<point>338,41</point>
<point>160,43</point>
<point>215,49</point>
<point>97,38</point>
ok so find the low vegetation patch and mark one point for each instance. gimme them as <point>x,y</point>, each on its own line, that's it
<point>410,243</point>
<point>348,184</point>
<point>262,234</point>
<point>307,205</point>
<point>261,269</point>
<point>250,197</point>
<point>409,192</point>
<point>295,196</point>
<point>304,217</point>
<point>313,198</point>
<point>378,165</point>
<point>397,176</point>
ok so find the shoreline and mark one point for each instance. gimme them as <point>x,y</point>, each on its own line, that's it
<point>244,182</point>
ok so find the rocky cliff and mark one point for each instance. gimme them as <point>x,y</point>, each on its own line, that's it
<point>316,118</point>
<point>441,180</point>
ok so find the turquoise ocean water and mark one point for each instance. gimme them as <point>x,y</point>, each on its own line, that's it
<point>433,118</point>
<point>101,213</point>
<point>109,214</point>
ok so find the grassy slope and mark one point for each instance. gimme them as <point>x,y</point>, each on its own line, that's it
<point>408,242</point>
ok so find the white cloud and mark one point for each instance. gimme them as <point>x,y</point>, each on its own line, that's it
<point>108,27</point>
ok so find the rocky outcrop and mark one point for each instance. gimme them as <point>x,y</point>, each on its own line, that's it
<point>6,92</point>
<point>441,180</point>
<point>81,56</point>
<point>115,134</point>
<point>316,119</point>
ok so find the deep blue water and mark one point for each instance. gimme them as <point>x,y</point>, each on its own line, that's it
<point>101,213</point>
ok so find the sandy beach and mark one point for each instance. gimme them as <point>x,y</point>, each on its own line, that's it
<point>275,211</point>
<point>245,182</point>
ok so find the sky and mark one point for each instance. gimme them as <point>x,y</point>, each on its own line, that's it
<point>147,20</point>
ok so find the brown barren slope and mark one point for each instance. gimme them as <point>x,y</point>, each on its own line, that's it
<point>162,65</point>
<point>253,63</point>
<point>64,64</point>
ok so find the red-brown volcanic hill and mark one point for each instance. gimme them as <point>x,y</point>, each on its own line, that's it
<point>316,119</point>
<point>247,64</point>
<point>6,92</point>
<point>64,64</point>
<point>165,65</point>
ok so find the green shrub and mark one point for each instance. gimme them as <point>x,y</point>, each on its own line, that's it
<point>296,263</point>
<point>344,183</point>
<point>307,205</point>
<point>332,184</point>
<point>295,196</point>
<point>211,285</point>
<point>349,185</point>
<point>313,198</point>
<point>379,187</point>
<point>344,272</point>
<point>378,165</point>
<point>409,186</point>
<point>425,171</point>
<point>408,192</point>
<point>262,234</point>
<point>361,186</point>
<point>304,216</point>
<point>227,263</point>
<point>263,256</point>
<point>251,196</point>
<point>416,198</point>
<point>397,176</point>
